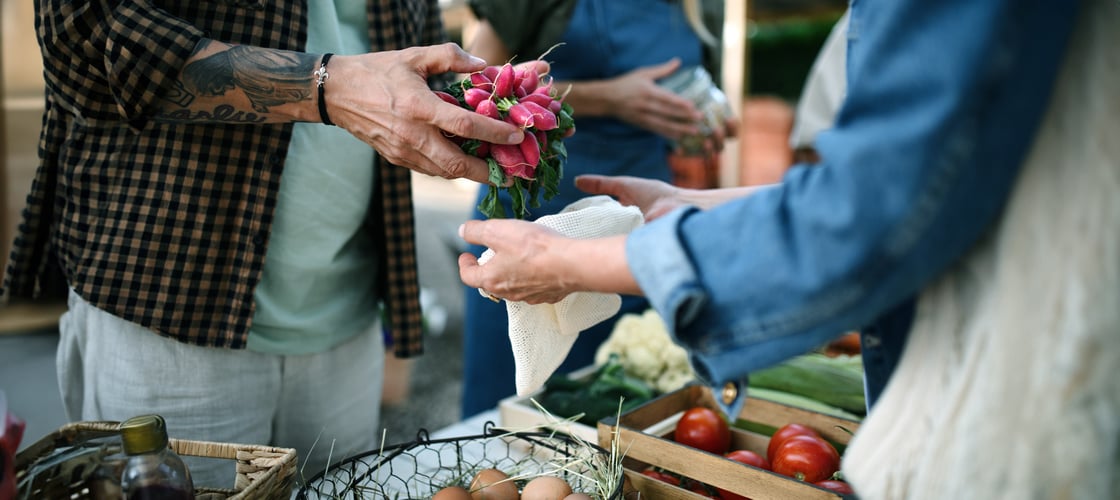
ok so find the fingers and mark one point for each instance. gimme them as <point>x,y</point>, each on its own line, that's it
<point>469,270</point>
<point>465,123</point>
<point>597,184</point>
<point>670,128</point>
<point>477,232</point>
<point>448,57</point>
<point>536,66</point>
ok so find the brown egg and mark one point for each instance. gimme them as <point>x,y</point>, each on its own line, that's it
<point>578,496</point>
<point>452,493</point>
<point>493,484</point>
<point>546,488</point>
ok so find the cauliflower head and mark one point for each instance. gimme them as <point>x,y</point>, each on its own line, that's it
<point>647,352</point>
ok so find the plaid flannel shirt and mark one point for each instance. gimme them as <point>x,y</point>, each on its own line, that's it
<point>165,224</point>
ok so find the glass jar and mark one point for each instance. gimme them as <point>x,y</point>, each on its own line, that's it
<point>696,85</point>
<point>153,469</point>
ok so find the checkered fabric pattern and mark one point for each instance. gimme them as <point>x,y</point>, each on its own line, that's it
<point>166,225</point>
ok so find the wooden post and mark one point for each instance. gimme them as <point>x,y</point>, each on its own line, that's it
<point>736,66</point>
<point>5,231</point>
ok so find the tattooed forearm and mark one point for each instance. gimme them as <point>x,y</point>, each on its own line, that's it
<point>224,85</point>
<point>178,95</point>
<point>223,113</point>
<point>270,77</point>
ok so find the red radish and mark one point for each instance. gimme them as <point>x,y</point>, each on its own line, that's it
<point>529,84</point>
<point>512,161</point>
<point>542,139</point>
<point>475,96</point>
<point>450,99</point>
<point>483,150</point>
<point>521,115</point>
<point>530,102</point>
<point>543,119</point>
<point>488,108</point>
<point>531,150</point>
<point>503,84</point>
<point>481,81</point>
<point>545,87</point>
<point>540,99</point>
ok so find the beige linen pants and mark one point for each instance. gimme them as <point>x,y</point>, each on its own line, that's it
<point>324,405</point>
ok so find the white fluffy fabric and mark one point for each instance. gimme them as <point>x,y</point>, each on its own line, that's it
<point>541,335</point>
<point>1008,387</point>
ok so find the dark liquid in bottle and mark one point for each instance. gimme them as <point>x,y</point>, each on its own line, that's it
<point>160,492</point>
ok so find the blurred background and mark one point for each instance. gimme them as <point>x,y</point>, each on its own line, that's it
<point>769,47</point>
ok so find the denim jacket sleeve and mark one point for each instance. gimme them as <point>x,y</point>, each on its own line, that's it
<point>944,99</point>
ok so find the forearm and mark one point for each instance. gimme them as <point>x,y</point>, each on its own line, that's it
<point>224,83</point>
<point>610,274</point>
<point>488,45</point>
<point>709,198</point>
<point>588,97</point>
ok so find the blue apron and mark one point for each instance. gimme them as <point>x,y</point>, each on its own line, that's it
<point>604,39</point>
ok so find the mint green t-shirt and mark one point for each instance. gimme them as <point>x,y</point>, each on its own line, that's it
<point>318,287</point>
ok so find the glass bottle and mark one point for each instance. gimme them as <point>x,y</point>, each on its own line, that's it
<point>696,85</point>
<point>153,469</point>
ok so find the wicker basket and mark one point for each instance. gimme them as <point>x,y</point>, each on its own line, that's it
<point>263,472</point>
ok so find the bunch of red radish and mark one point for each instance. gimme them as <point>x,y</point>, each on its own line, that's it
<point>525,99</point>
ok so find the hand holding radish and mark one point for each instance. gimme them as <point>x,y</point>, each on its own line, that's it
<point>532,167</point>
<point>383,99</point>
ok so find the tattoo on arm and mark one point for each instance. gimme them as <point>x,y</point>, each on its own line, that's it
<point>266,77</point>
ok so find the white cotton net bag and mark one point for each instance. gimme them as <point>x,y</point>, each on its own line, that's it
<point>541,335</point>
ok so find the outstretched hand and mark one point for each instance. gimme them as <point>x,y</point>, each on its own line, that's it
<point>654,198</point>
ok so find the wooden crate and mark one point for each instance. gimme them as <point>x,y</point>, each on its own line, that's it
<point>645,436</point>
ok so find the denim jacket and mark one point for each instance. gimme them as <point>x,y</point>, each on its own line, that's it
<point>944,99</point>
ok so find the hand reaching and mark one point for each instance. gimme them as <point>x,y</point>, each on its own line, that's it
<point>654,198</point>
<point>657,198</point>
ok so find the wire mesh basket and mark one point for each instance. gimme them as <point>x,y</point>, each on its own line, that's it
<point>421,468</point>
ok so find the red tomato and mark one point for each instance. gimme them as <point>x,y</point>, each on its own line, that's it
<point>727,495</point>
<point>836,485</point>
<point>705,429</point>
<point>806,458</point>
<point>747,457</point>
<point>750,458</point>
<point>787,431</point>
<point>703,490</point>
<point>662,476</point>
